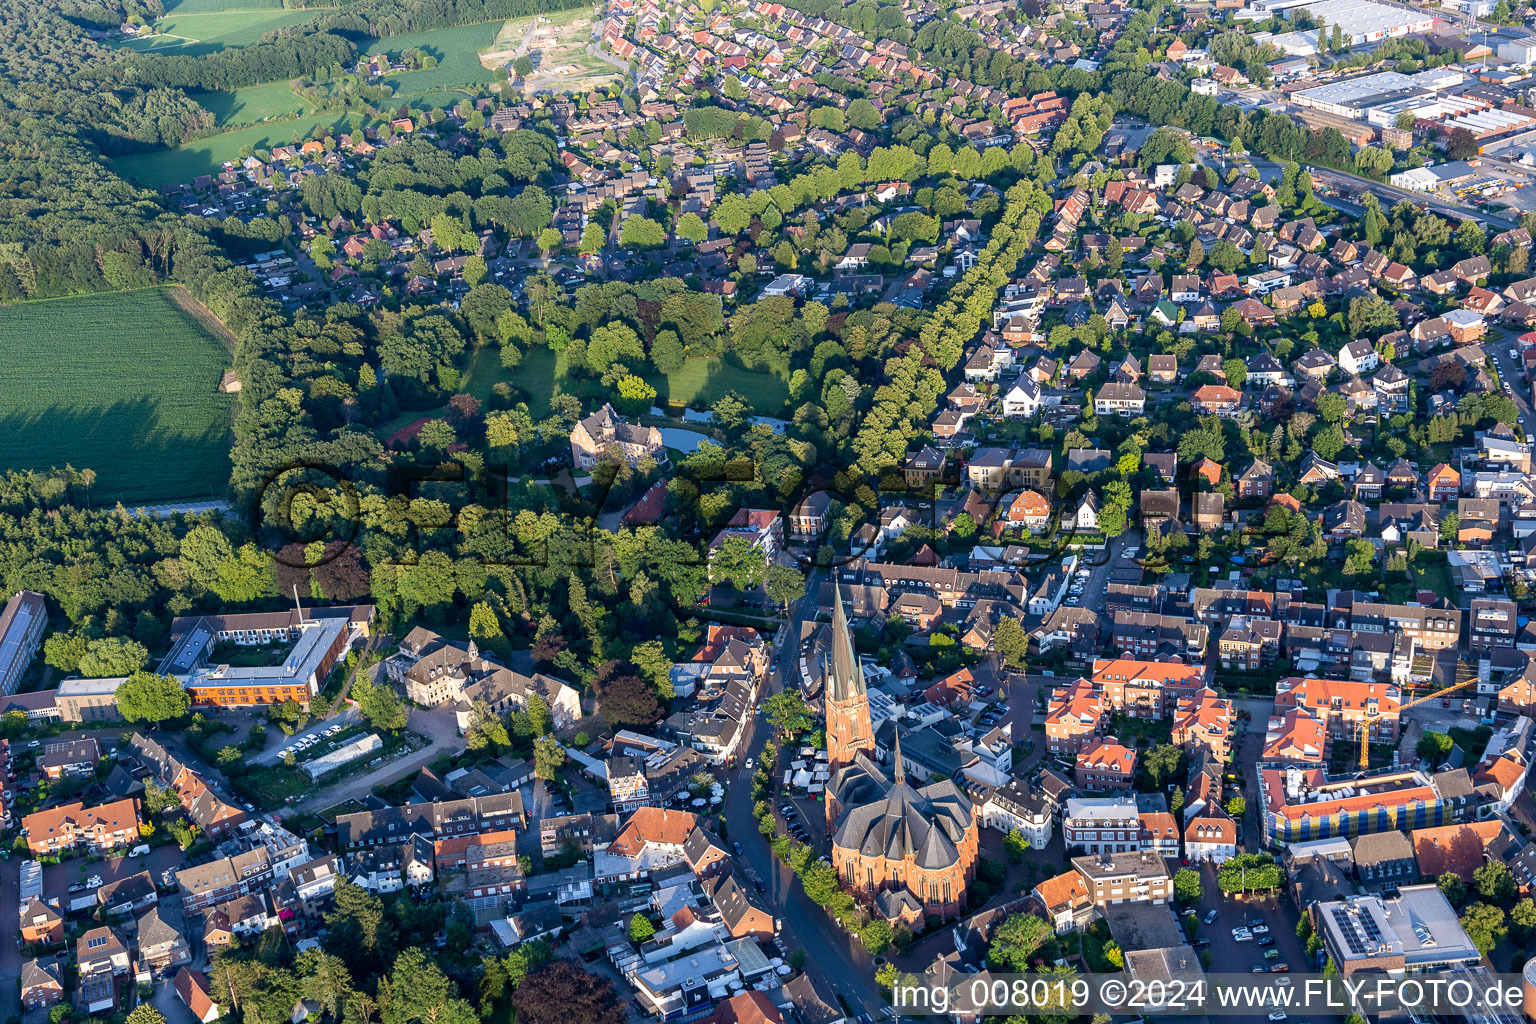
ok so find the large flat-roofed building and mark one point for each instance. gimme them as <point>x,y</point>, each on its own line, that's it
<point>1362,21</point>
<point>1414,932</point>
<point>1352,97</point>
<point>320,636</point>
<point>1302,804</point>
<point>89,700</point>
<point>21,630</point>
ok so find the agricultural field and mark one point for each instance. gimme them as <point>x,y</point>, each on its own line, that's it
<point>457,51</point>
<point>252,104</point>
<point>557,44</point>
<point>207,156</point>
<point>125,384</point>
<point>193,33</point>
<point>215,6</point>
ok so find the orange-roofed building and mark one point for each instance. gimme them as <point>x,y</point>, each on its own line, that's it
<point>483,850</point>
<point>97,828</point>
<point>1072,716</point>
<point>1029,509</point>
<point>1159,833</point>
<point>1344,705</point>
<point>1458,849</point>
<point>1145,689</point>
<point>1105,764</point>
<point>1206,470</point>
<point>654,826</point>
<point>1303,804</point>
<point>746,1008</point>
<point>41,924</point>
<point>1204,719</point>
<point>193,989</point>
<point>1219,399</point>
<point>1443,483</point>
<point>1065,901</point>
<point>1210,835</point>
<point>1296,737</point>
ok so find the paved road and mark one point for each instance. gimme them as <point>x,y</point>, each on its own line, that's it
<point>1511,370</point>
<point>1389,195</point>
<point>841,961</point>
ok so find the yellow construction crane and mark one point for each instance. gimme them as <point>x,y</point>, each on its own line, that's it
<point>1365,739</point>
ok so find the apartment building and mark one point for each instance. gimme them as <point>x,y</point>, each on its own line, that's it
<point>22,623</point>
<point>1072,716</point>
<point>1101,824</point>
<point>1345,706</point>
<point>1105,764</point>
<point>98,829</point>
<point>1130,877</point>
<point>1203,719</point>
<point>1144,689</point>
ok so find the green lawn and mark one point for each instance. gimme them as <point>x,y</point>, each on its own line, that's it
<point>207,156</point>
<point>125,384</point>
<point>701,380</point>
<point>252,104</point>
<point>193,33</point>
<point>457,50</point>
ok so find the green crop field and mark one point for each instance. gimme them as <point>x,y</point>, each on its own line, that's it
<point>215,6</point>
<point>457,51</point>
<point>252,104</point>
<point>701,380</point>
<point>125,384</point>
<point>206,156</point>
<point>191,34</point>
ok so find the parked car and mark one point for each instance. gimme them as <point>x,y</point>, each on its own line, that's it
<point>1277,1015</point>
<point>1261,929</point>
<point>1211,917</point>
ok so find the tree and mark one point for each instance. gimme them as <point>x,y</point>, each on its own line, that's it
<point>1017,939</point>
<point>147,697</point>
<point>145,1013</point>
<point>640,928</point>
<point>788,713</point>
<point>1015,844</point>
<point>548,756</point>
<point>1237,806</point>
<point>876,936</point>
<point>1495,883</point>
<point>1236,372</point>
<point>626,700</point>
<point>112,656</point>
<point>1452,887</point>
<point>783,584</point>
<point>1162,763</point>
<point>416,991</point>
<point>1011,640</point>
<point>1461,144</point>
<point>378,702</point>
<point>641,233</point>
<point>1186,886</point>
<point>1434,747</point>
<point>474,270</point>
<point>691,227</point>
<point>523,66</point>
<point>563,993</point>
<point>1483,924</point>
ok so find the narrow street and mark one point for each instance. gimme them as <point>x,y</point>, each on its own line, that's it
<point>838,957</point>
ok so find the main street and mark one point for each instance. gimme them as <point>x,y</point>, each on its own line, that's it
<point>837,956</point>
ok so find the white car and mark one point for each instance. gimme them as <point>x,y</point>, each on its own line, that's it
<point>1241,935</point>
<point>1277,1015</point>
<point>1260,929</point>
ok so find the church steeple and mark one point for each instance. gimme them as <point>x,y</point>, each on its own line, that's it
<point>847,674</point>
<point>849,729</point>
<point>898,773</point>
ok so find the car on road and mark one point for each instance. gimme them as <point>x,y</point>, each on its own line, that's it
<point>1261,929</point>
<point>1211,917</point>
<point>1277,1015</point>
<point>1271,954</point>
<point>737,847</point>
<point>1281,968</point>
<point>1258,969</point>
<point>747,764</point>
<point>1268,940</point>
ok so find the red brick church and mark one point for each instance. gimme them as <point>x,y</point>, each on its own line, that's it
<point>910,851</point>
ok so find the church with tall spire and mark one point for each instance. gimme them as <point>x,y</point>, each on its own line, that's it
<point>849,729</point>
<point>909,852</point>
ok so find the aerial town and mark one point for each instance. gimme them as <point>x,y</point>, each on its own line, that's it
<point>526,511</point>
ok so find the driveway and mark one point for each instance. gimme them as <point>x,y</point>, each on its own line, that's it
<point>57,878</point>
<point>437,725</point>
<point>277,741</point>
